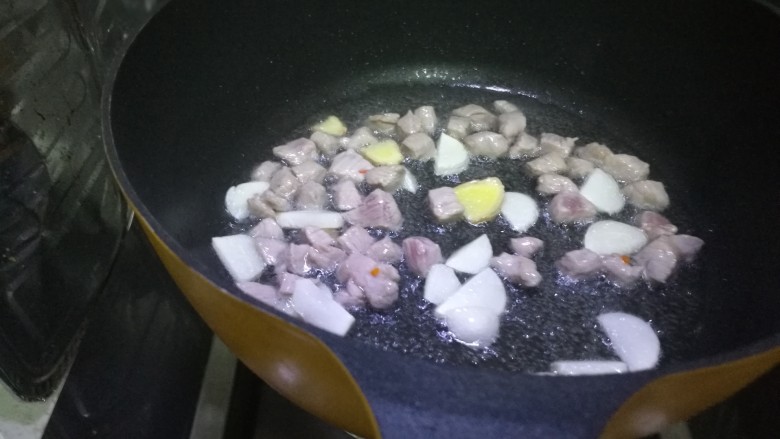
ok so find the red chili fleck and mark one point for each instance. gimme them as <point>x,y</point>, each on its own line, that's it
<point>363,171</point>
<point>375,272</point>
<point>626,259</point>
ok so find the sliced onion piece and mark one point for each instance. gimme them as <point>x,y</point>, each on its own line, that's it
<point>451,156</point>
<point>476,327</point>
<point>612,237</point>
<point>594,367</point>
<point>237,196</point>
<point>440,284</point>
<point>520,211</point>
<point>603,191</point>
<point>299,219</point>
<point>409,182</point>
<point>317,306</point>
<point>472,257</point>
<point>633,340</point>
<point>239,255</point>
<point>485,290</point>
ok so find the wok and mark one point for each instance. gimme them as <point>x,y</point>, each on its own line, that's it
<point>207,88</point>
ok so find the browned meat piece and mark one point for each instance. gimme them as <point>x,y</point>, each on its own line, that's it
<point>297,151</point>
<point>297,258</point>
<point>427,116</point>
<point>258,208</point>
<point>458,127</point>
<point>408,124</point>
<point>284,183</point>
<point>687,246</point>
<point>517,269</point>
<point>349,164</point>
<point>654,224</point>
<point>486,143</point>
<point>618,271</point>
<point>286,283</point>
<point>317,237</point>
<point>355,240</point>
<point>551,184</point>
<point>525,147</point>
<point>311,196</point>
<point>383,123</point>
<point>444,204</point>
<point>385,250</point>
<point>326,143</point>
<point>267,228</point>
<point>272,250</point>
<point>579,264</point>
<point>647,194</point>
<point>345,195</point>
<point>526,246</point>
<point>378,210</point>
<point>626,168</point>
<point>482,122</point>
<point>378,281</point>
<point>388,178</point>
<point>326,258</point>
<point>275,202</point>
<point>595,153</point>
<point>511,124</point>
<point>310,171</point>
<point>350,296</point>
<point>550,163</point>
<point>658,258</point>
<point>421,254</point>
<point>360,138</point>
<point>419,146</point>
<point>569,207</point>
<point>469,110</point>
<point>579,168</point>
<point>550,142</point>
<point>502,106</point>
<point>264,171</point>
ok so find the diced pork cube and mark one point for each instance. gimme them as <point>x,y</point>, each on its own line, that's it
<point>385,250</point>
<point>378,281</point>
<point>284,183</point>
<point>579,168</point>
<point>267,228</point>
<point>458,127</point>
<point>525,147</point>
<point>482,122</point>
<point>297,258</point>
<point>550,142</point>
<point>654,224</point>
<point>469,110</point>
<point>658,258</point>
<point>647,194</point>
<point>264,171</point>
<point>317,237</point>
<point>502,106</point>
<point>420,254</point>
<point>258,208</point>
<point>687,246</point>
<point>511,124</point>
<point>272,250</point>
<point>419,146</point>
<point>427,116</point>
<point>360,138</point>
<point>351,296</point>
<point>309,171</point>
<point>595,153</point>
<point>275,202</point>
<point>379,209</point>
<point>383,123</point>
<point>346,195</point>
<point>569,207</point>
<point>579,264</point>
<point>444,204</point>
<point>311,196</point>
<point>326,143</point>
<point>619,271</point>
<point>626,168</point>
<point>551,184</point>
<point>297,151</point>
<point>388,178</point>
<point>326,258</point>
<point>517,269</point>
<point>355,240</point>
<point>486,143</point>
<point>550,163</point>
<point>526,246</point>
<point>349,164</point>
<point>408,124</point>
<point>286,282</point>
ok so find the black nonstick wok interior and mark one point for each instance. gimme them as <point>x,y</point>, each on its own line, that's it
<point>209,88</point>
